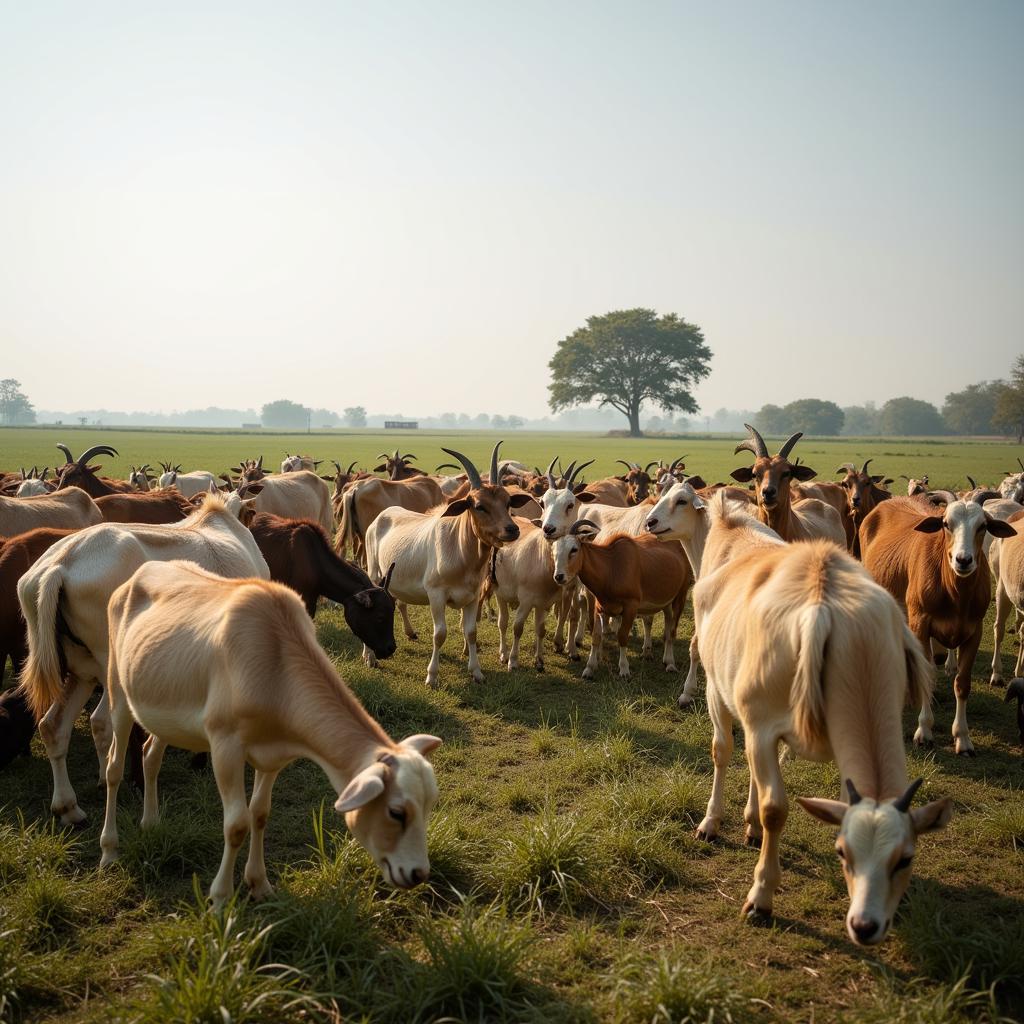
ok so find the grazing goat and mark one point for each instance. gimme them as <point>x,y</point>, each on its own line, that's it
<point>628,576</point>
<point>775,621</point>
<point>299,554</point>
<point>233,667</point>
<point>164,506</point>
<point>935,566</point>
<point>441,557</point>
<point>64,599</point>
<point>61,510</point>
<point>809,519</point>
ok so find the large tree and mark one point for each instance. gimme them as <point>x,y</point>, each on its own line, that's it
<point>902,416</point>
<point>627,358</point>
<point>285,415</point>
<point>15,407</point>
<point>1009,414</point>
<point>971,411</point>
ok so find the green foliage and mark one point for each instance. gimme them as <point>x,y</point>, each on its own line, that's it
<point>910,417</point>
<point>1009,411</point>
<point>973,410</point>
<point>811,415</point>
<point>860,420</point>
<point>354,416</point>
<point>285,415</point>
<point>15,408</point>
<point>629,357</point>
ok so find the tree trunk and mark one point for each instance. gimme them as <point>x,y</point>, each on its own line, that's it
<point>634,422</point>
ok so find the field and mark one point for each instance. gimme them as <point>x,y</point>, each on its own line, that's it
<point>567,882</point>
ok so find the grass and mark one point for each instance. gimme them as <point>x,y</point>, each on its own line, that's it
<point>567,884</point>
<point>946,461</point>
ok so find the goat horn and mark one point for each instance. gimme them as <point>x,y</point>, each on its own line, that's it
<point>970,480</point>
<point>386,583</point>
<point>471,470</point>
<point>903,804</point>
<point>945,497</point>
<point>67,452</point>
<point>574,471</point>
<point>1019,463</point>
<point>849,467</point>
<point>676,463</point>
<point>903,476</point>
<point>656,462</point>
<point>982,496</point>
<point>867,462</point>
<point>494,464</point>
<point>584,524</point>
<point>445,465</point>
<point>352,466</point>
<point>855,797</point>
<point>754,443</point>
<point>96,449</point>
<point>622,462</point>
<point>551,476</point>
<point>788,446</point>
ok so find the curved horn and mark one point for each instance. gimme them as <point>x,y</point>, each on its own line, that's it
<point>945,497</point>
<point>676,462</point>
<point>551,475</point>
<point>982,496</point>
<point>754,443</point>
<point>622,462</point>
<point>67,452</point>
<point>585,524</point>
<point>471,470</point>
<point>867,462</point>
<point>575,471</point>
<point>337,465</point>
<point>903,476</point>
<point>384,456</point>
<point>352,465</point>
<point>495,479</point>
<point>96,449</point>
<point>970,480</point>
<point>445,465</point>
<point>569,470</point>
<point>848,466</point>
<point>855,797</point>
<point>647,468</point>
<point>406,458</point>
<point>788,446</point>
<point>1019,463</point>
<point>386,582</point>
<point>903,803</point>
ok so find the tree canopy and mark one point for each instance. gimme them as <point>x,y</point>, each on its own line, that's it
<point>285,415</point>
<point>972,410</point>
<point>907,416</point>
<point>629,357</point>
<point>354,416</point>
<point>1009,413</point>
<point>811,415</point>
<point>15,408</point>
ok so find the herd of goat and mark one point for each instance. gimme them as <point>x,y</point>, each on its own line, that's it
<point>187,600</point>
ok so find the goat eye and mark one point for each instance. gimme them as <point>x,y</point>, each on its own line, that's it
<point>397,814</point>
<point>569,508</point>
<point>680,503</point>
<point>902,864</point>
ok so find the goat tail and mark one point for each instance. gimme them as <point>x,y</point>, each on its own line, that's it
<point>920,672</point>
<point>42,678</point>
<point>807,699</point>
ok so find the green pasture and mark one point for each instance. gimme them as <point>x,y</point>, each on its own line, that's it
<point>567,881</point>
<point>946,462</point>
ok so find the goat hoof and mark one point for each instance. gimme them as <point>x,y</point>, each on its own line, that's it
<point>707,833</point>
<point>683,702</point>
<point>966,752</point>
<point>995,681</point>
<point>539,664</point>
<point>752,839</point>
<point>755,914</point>
<point>670,668</point>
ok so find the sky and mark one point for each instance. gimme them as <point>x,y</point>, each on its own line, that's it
<point>406,205</point>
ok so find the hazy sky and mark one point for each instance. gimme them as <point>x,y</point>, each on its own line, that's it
<point>406,205</point>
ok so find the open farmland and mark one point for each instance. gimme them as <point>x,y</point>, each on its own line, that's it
<point>567,883</point>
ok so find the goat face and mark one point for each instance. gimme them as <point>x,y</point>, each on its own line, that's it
<point>1012,487</point>
<point>561,507</point>
<point>675,514</point>
<point>876,845</point>
<point>490,511</point>
<point>964,524</point>
<point>387,807</point>
<point>772,475</point>
<point>370,615</point>
<point>567,550</point>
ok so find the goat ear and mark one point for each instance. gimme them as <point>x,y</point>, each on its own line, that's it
<point>929,524</point>
<point>537,522</point>
<point>744,474</point>
<point>457,507</point>
<point>998,528</point>
<point>931,817</point>
<point>803,472</point>
<point>585,496</point>
<point>699,503</point>
<point>254,489</point>
<point>829,811</point>
<point>380,469</point>
<point>878,479</point>
<point>364,599</point>
<point>422,743</point>
<point>519,500</point>
<point>696,482</point>
<point>366,786</point>
<point>888,480</point>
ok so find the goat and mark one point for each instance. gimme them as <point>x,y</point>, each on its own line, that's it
<point>808,519</point>
<point>164,506</point>
<point>190,484</point>
<point>915,485</point>
<point>140,478</point>
<point>440,557</point>
<point>62,510</point>
<point>862,494</point>
<point>775,620</point>
<point>34,483</point>
<point>258,689</point>
<point>299,554</point>
<point>300,494</point>
<point>78,473</point>
<point>64,597</point>
<point>628,576</point>
<point>935,566</point>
